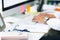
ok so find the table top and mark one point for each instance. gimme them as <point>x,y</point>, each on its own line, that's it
<point>25,22</point>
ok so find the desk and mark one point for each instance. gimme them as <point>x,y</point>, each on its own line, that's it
<point>37,30</point>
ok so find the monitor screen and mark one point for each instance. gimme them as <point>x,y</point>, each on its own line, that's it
<point>8,4</point>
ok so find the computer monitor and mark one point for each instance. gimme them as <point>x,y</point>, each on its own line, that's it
<point>8,4</point>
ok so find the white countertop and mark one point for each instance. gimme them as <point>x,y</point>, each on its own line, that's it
<point>37,30</point>
<point>13,33</point>
<point>26,23</point>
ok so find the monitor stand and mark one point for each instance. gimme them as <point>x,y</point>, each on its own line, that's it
<point>2,23</point>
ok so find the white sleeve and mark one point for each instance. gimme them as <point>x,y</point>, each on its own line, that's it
<point>54,23</point>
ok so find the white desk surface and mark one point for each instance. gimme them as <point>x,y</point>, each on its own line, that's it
<point>37,30</point>
<point>25,22</point>
<point>13,33</point>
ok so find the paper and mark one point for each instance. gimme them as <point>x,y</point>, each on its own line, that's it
<point>28,8</point>
<point>22,8</point>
